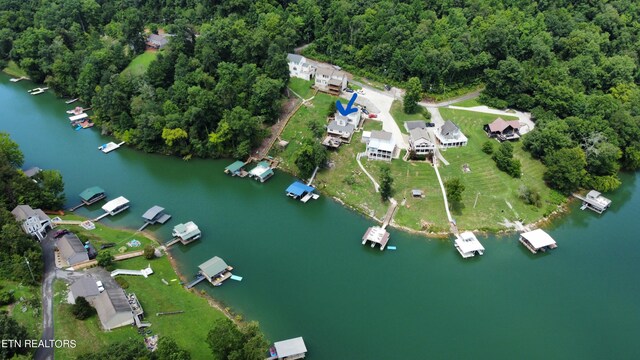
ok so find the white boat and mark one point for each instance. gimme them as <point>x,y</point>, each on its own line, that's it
<point>109,147</point>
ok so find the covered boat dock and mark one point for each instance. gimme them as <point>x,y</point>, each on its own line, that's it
<point>236,169</point>
<point>154,215</point>
<point>114,207</point>
<point>262,172</point>
<point>302,192</point>
<point>537,240</point>
<point>289,349</point>
<point>594,201</point>
<point>215,270</point>
<point>90,196</point>
<point>468,245</point>
<point>185,233</point>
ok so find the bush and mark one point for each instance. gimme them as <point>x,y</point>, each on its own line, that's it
<point>6,298</point>
<point>105,259</point>
<point>530,196</point>
<point>149,252</point>
<point>487,147</point>
<point>82,309</point>
<point>122,282</point>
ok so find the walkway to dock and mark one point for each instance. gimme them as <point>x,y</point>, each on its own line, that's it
<point>171,243</point>
<point>454,228</point>
<point>100,217</point>
<point>390,212</point>
<point>195,282</point>
<point>66,222</point>
<point>375,184</point>
<point>144,272</point>
<point>313,176</point>
<point>125,256</point>
<point>76,207</point>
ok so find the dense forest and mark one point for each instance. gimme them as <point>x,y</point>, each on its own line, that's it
<point>219,83</point>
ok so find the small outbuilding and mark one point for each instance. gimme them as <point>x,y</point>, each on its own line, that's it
<point>416,193</point>
<point>537,240</point>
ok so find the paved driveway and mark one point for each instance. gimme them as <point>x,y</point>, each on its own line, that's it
<point>47,297</point>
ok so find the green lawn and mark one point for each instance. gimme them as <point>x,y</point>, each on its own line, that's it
<point>468,103</point>
<point>493,188</point>
<point>298,128</point>
<point>138,66</point>
<point>103,234</point>
<point>301,87</point>
<point>400,116</point>
<point>29,297</point>
<point>14,70</point>
<point>189,329</point>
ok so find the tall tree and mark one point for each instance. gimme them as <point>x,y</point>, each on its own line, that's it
<point>454,188</point>
<point>565,169</point>
<point>386,182</point>
<point>412,96</point>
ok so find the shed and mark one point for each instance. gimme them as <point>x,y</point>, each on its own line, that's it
<point>291,349</point>
<point>417,193</point>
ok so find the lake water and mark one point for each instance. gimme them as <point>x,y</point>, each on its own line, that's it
<point>307,274</point>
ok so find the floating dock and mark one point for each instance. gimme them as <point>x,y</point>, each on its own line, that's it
<point>199,278</point>
<point>71,101</point>
<point>215,270</point>
<point>594,201</point>
<point>18,79</point>
<point>114,207</point>
<point>236,169</point>
<point>376,235</point>
<point>468,245</point>
<point>262,172</point>
<point>90,196</point>
<point>185,233</point>
<point>109,147</point>
<point>144,272</point>
<point>155,215</point>
<point>37,91</point>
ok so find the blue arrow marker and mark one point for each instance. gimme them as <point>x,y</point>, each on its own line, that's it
<point>350,109</point>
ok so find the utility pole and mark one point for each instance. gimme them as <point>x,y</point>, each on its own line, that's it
<point>29,266</point>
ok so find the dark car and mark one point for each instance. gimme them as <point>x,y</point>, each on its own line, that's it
<point>60,233</point>
<point>431,124</point>
<point>107,245</point>
<point>387,87</point>
<point>364,110</point>
<point>348,90</point>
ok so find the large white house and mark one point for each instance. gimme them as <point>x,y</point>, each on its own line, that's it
<point>380,145</point>
<point>420,142</point>
<point>34,222</point>
<point>449,135</point>
<point>300,68</point>
<point>330,80</point>
<point>354,118</point>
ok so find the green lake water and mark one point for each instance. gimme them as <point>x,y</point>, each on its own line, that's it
<point>307,274</point>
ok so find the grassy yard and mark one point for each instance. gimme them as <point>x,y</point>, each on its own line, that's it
<point>496,192</point>
<point>301,87</point>
<point>400,116</point>
<point>138,66</point>
<point>14,70</point>
<point>468,103</point>
<point>26,297</point>
<point>298,128</point>
<point>189,329</point>
<point>103,234</point>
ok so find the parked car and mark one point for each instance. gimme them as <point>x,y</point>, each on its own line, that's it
<point>387,87</point>
<point>372,116</point>
<point>107,245</point>
<point>348,90</point>
<point>365,111</point>
<point>431,124</point>
<point>60,233</point>
<point>100,287</point>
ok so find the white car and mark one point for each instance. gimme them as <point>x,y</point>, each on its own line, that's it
<point>100,287</point>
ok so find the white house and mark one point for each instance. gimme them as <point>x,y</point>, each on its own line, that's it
<point>420,142</point>
<point>449,135</point>
<point>330,80</point>
<point>380,145</point>
<point>34,222</point>
<point>354,118</point>
<point>300,68</point>
<point>340,129</point>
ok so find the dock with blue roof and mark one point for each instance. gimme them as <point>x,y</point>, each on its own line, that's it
<point>302,192</point>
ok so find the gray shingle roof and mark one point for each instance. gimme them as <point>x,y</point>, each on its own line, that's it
<point>85,287</point>
<point>415,124</point>
<point>380,135</point>
<point>334,126</point>
<point>294,58</point>
<point>32,171</point>
<point>213,266</point>
<point>448,128</point>
<point>419,133</point>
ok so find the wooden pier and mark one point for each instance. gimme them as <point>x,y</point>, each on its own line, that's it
<point>100,217</point>
<point>172,242</point>
<point>195,282</point>
<point>389,215</point>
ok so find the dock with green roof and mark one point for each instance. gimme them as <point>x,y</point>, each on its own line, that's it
<point>90,196</point>
<point>236,169</point>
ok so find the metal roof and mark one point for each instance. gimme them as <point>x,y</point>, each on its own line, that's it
<point>115,203</point>
<point>112,306</point>
<point>468,242</point>
<point>235,166</point>
<point>72,249</point>
<point>298,188</point>
<point>290,347</point>
<point>78,117</point>
<point>84,287</point>
<point>538,238</point>
<point>186,231</point>
<point>153,212</point>
<point>32,171</point>
<point>91,192</point>
<point>213,266</point>
<point>295,58</point>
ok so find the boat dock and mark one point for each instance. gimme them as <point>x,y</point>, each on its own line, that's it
<point>376,235</point>
<point>113,207</point>
<point>215,270</point>
<point>37,91</point>
<point>302,192</point>
<point>71,101</point>
<point>90,196</point>
<point>468,245</point>
<point>537,240</point>
<point>18,79</point>
<point>109,147</point>
<point>594,201</point>
<point>237,169</point>
<point>199,278</point>
<point>185,233</point>
<point>155,215</point>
